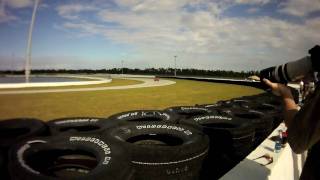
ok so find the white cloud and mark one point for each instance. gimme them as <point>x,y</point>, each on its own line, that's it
<point>253,10</point>
<point>201,38</point>
<point>71,11</point>
<point>4,15</point>
<point>300,7</point>
<point>18,3</point>
<point>252,1</point>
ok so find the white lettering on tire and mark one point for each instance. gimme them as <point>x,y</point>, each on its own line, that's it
<point>164,126</point>
<point>197,119</point>
<point>104,146</point>
<point>71,121</point>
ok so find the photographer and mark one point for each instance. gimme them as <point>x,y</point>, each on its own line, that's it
<point>304,124</point>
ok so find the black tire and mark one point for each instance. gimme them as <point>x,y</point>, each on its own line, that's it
<point>212,107</point>
<point>163,150</point>
<point>273,111</point>
<point>186,112</point>
<point>69,157</point>
<point>227,133</point>
<point>269,98</point>
<point>236,103</point>
<point>230,141</point>
<point>3,165</point>
<point>142,116</point>
<point>90,125</point>
<point>15,130</point>
<point>262,122</point>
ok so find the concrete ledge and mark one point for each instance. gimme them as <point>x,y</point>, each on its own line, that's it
<point>93,80</point>
<point>286,164</point>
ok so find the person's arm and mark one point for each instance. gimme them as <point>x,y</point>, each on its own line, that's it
<point>290,107</point>
<point>303,126</point>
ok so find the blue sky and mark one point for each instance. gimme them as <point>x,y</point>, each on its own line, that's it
<point>205,34</point>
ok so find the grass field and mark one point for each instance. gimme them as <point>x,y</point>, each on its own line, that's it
<point>105,103</point>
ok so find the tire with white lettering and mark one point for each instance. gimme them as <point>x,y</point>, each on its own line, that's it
<point>15,130</point>
<point>262,122</point>
<point>142,116</point>
<point>212,107</point>
<point>69,157</point>
<point>185,112</point>
<point>233,103</point>
<point>227,133</point>
<point>230,141</point>
<point>163,150</point>
<point>76,124</point>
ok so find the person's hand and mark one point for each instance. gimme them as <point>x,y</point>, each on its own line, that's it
<point>278,89</point>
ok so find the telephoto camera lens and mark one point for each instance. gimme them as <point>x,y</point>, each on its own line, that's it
<point>288,72</point>
<point>294,70</point>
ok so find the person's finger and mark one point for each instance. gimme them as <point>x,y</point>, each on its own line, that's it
<point>267,82</point>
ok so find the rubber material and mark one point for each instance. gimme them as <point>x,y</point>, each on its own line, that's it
<point>236,103</point>
<point>163,150</point>
<point>227,133</point>
<point>15,130</point>
<point>230,141</point>
<point>142,116</point>
<point>271,110</point>
<point>86,125</point>
<point>69,157</point>
<point>185,112</point>
<point>3,165</point>
<point>262,122</point>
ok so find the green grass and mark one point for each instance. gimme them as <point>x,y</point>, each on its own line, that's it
<point>105,103</point>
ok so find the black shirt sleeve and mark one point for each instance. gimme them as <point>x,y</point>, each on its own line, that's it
<point>304,130</point>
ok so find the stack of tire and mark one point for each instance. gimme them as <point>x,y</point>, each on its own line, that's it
<point>236,127</point>
<point>178,143</point>
<point>130,145</point>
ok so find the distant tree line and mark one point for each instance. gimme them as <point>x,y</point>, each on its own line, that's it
<point>149,71</point>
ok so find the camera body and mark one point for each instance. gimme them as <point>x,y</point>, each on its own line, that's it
<point>294,70</point>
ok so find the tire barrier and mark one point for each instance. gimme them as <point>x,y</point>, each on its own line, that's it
<point>236,103</point>
<point>14,130</point>
<point>266,98</point>
<point>162,151</point>
<point>271,110</point>
<point>76,124</point>
<point>142,116</point>
<point>230,141</point>
<point>263,123</point>
<point>69,157</point>
<point>3,165</point>
<point>185,112</point>
<point>182,142</point>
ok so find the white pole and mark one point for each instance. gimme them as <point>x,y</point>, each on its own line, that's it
<point>12,63</point>
<point>175,65</point>
<point>122,67</point>
<point>29,46</point>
